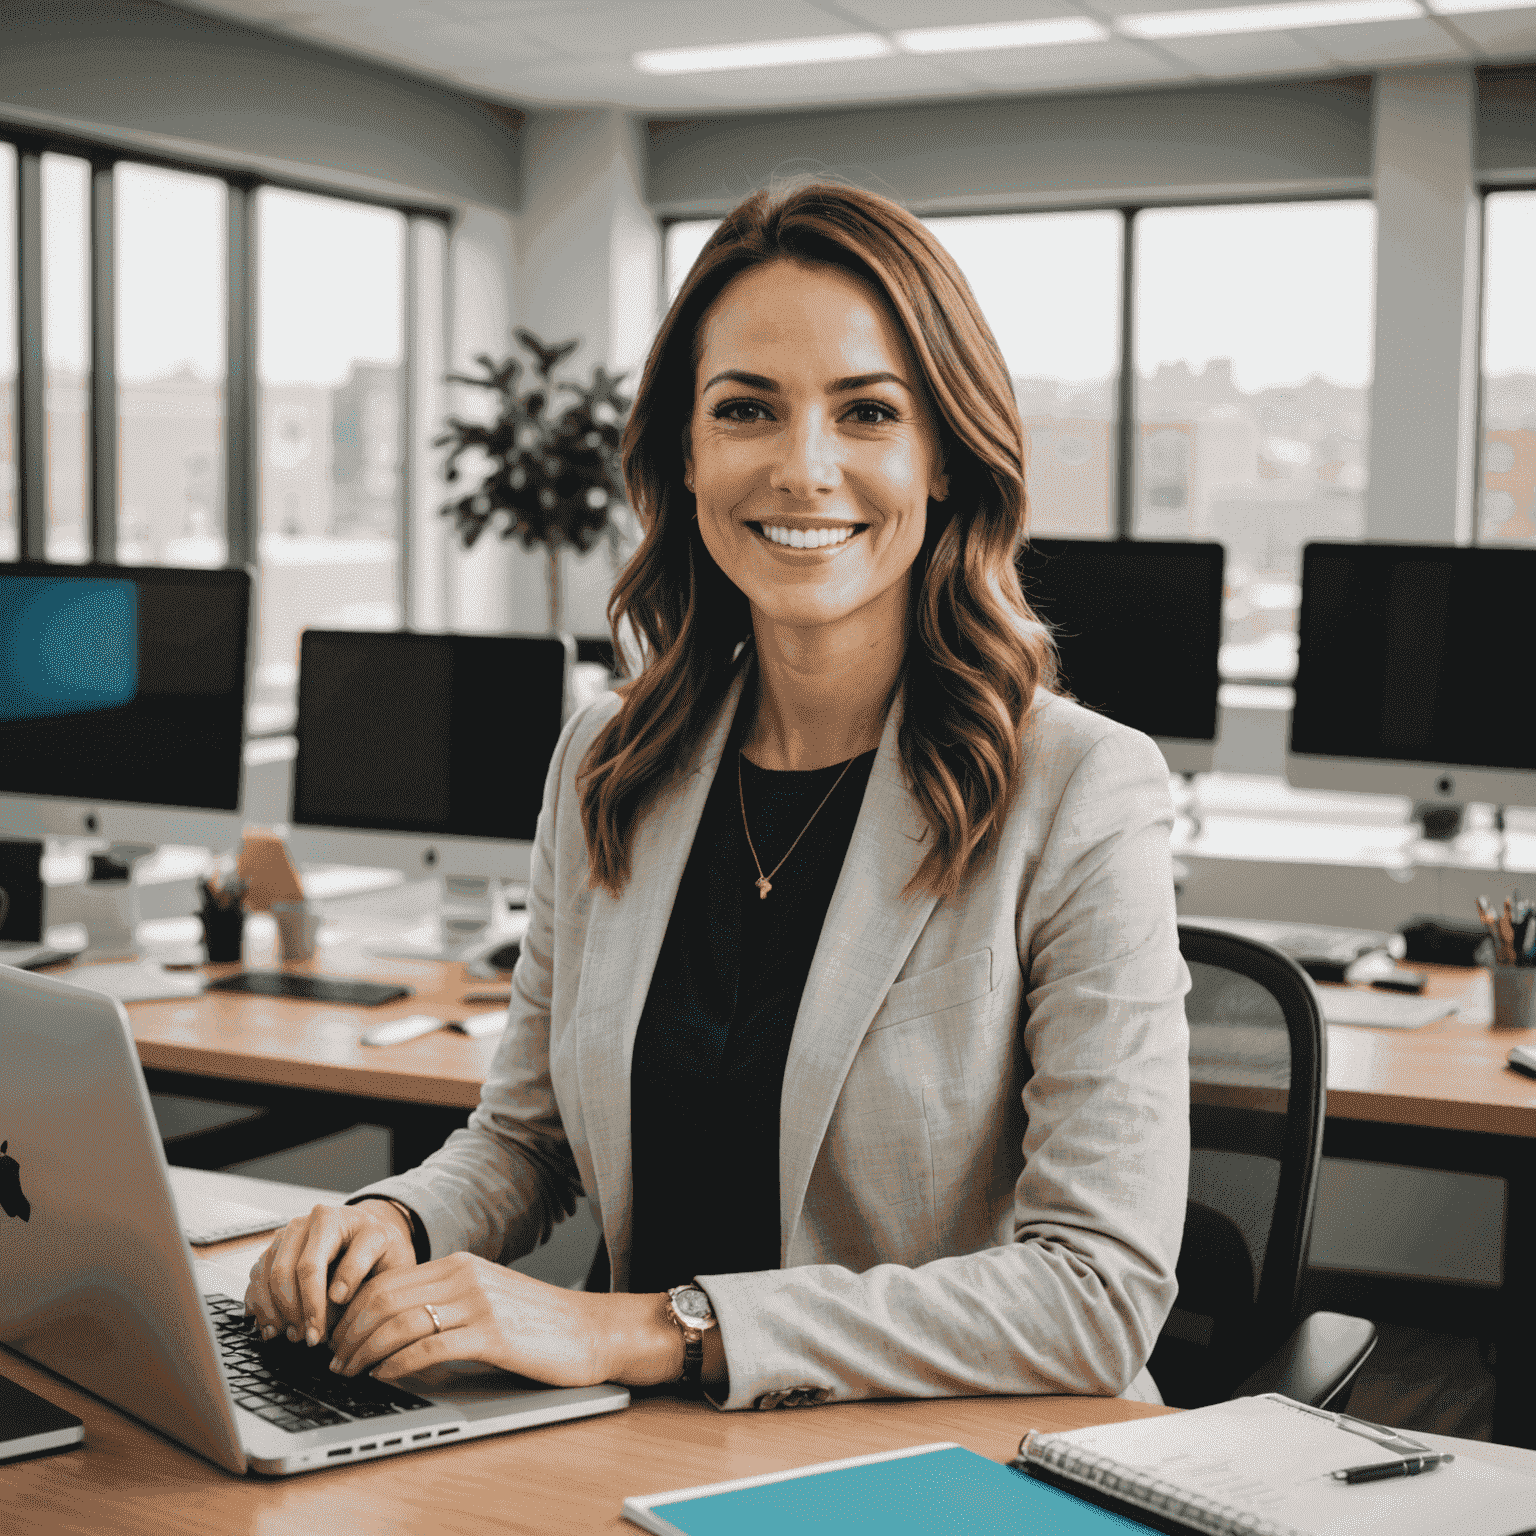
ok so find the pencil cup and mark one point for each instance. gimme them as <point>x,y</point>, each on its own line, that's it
<point>1514,997</point>
<point>298,930</point>
<point>223,929</point>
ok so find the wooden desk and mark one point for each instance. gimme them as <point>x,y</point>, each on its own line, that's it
<point>1440,1097</point>
<point>128,1480</point>
<point>1444,1097</point>
<point>303,1062</point>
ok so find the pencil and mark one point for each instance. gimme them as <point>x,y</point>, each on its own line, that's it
<point>1491,923</point>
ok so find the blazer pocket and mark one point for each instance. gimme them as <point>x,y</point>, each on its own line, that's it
<point>960,981</point>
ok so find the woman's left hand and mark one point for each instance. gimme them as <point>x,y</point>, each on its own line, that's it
<point>502,1318</point>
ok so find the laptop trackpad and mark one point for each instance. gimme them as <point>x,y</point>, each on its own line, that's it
<point>479,1391</point>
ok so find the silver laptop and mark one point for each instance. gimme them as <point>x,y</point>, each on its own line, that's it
<point>100,1285</point>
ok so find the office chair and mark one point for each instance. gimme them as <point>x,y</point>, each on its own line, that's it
<point>1258,1085</point>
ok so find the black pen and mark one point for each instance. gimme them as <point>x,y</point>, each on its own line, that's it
<point>1409,1466</point>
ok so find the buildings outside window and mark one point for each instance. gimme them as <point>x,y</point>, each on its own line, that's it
<point>1253,353</point>
<point>1506,503</point>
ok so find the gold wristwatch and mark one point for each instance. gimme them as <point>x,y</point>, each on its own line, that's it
<point>689,1308</point>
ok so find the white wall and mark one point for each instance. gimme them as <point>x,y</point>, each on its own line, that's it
<point>153,77</point>
<point>984,154</point>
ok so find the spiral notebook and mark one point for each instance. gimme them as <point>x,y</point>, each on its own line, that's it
<point>1262,1466</point>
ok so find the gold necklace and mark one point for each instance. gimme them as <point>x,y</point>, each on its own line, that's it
<point>764,883</point>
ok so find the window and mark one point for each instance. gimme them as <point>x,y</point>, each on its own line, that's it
<point>331,391</point>
<point>331,306</point>
<point>1253,354</point>
<point>682,243</point>
<point>170,367</point>
<point>9,545</point>
<point>67,353</point>
<point>1049,285</point>
<point>1506,508</point>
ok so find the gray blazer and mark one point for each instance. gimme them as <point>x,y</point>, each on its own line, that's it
<point>984,1133</point>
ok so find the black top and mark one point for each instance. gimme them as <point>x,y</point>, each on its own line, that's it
<point>708,1063</point>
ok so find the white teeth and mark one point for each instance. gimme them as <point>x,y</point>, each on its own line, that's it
<point>806,538</point>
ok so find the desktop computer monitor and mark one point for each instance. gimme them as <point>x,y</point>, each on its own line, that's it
<point>122,702</point>
<point>1138,628</point>
<point>1412,675</point>
<point>424,753</point>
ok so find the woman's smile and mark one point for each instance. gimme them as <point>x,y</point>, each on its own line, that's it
<point>814,536</point>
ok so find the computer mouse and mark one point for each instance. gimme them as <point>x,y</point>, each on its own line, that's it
<point>396,1031</point>
<point>1523,1059</point>
<point>504,957</point>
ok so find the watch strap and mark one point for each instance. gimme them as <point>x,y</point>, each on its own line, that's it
<point>693,1358</point>
<point>420,1242</point>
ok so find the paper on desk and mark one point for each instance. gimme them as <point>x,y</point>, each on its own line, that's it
<point>1260,1456</point>
<point>133,981</point>
<point>1381,1010</point>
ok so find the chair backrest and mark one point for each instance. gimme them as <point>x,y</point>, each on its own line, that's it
<point>1258,1080</point>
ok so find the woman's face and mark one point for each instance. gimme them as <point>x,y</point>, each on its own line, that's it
<point>813,449</point>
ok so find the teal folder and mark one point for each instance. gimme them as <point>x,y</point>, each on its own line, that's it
<point>927,1489</point>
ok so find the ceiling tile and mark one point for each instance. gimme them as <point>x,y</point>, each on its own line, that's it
<point>429,41</point>
<point>898,15</point>
<point>598,30</point>
<point>1385,42</point>
<point>1499,33</point>
<point>1068,67</point>
<point>1116,8</point>
<point>1245,53</point>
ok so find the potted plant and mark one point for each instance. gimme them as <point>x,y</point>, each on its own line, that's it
<point>555,478</point>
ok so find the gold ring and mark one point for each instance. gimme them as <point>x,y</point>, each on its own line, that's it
<point>437,1322</point>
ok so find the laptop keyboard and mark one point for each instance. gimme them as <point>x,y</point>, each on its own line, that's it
<point>292,1385</point>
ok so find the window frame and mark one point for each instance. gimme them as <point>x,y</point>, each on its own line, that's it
<point>1485,189</point>
<point>242,387</point>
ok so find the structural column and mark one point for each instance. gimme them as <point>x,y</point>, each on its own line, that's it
<point>588,265</point>
<point>1423,444</point>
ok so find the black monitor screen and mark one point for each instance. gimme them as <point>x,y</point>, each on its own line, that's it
<point>1137,626</point>
<point>434,734</point>
<point>1416,653</point>
<point>123,683</point>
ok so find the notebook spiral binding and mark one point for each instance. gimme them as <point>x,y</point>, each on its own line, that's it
<point>1149,1493</point>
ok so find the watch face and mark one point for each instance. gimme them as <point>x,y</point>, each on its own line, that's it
<point>692,1302</point>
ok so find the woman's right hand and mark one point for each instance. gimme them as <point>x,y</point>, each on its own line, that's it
<point>289,1290</point>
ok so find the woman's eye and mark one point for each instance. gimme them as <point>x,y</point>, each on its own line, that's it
<point>870,413</point>
<point>741,410</point>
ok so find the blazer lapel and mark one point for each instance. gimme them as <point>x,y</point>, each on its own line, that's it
<point>870,929</point>
<point>623,941</point>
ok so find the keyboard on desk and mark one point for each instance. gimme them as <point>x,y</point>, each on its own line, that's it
<point>310,988</point>
<point>291,1385</point>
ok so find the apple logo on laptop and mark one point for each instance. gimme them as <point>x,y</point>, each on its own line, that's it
<point>12,1200</point>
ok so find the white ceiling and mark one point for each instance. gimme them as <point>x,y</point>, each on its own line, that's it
<point>547,52</point>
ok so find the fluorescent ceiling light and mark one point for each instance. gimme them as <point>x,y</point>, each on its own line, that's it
<point>1003,34</point>
<point>1461,7</point>
<point>1269,18</point>
<point>788,50</point>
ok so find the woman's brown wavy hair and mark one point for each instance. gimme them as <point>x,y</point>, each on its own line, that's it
<point>975,652</point>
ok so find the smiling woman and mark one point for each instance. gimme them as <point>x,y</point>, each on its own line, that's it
<point>851,994</point>
<point>825,371</point>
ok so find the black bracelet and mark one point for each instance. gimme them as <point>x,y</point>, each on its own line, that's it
<point>419,1239</point>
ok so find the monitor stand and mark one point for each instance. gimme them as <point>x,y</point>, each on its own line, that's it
<point>1440,820</point>
<point>467,920</point>
<point>109,902</point>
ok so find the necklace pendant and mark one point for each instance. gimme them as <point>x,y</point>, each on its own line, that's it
<point>764,885</point>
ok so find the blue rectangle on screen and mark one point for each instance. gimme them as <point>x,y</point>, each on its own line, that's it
<point>952,1491</point>
<point>67,647</point>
